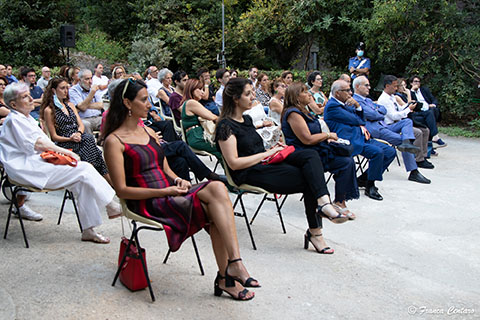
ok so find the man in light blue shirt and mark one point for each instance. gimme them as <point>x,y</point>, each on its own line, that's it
<point>83,96</point>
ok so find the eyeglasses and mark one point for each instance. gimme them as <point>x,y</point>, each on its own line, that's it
<point>130,80</point>
<point>416,81</point>
<point>346,90</point>
<point>3,84</point>
<point>367,85</point>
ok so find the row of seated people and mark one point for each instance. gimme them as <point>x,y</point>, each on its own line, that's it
<point>239,95</point>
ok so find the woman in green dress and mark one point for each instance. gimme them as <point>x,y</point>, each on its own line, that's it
<point>192,109</point>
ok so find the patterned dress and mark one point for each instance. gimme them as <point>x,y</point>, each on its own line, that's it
<point>66,125</point>
<point>182,216</point>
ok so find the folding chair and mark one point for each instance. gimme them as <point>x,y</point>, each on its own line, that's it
<point>150,225</point>
<point>245,188</point>
<point>16,187</point>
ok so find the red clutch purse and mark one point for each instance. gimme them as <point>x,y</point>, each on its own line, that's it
<point>279,156</point>
<point>56,158</point>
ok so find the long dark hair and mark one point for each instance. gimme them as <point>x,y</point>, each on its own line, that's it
<point>291,96</point>
<point>117,113</point>
<point>47,100</point>
<point>233,91</point>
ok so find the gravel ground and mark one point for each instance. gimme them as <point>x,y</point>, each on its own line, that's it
<point>413,255</point>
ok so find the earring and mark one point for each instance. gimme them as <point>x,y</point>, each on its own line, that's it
<point>129,112</point>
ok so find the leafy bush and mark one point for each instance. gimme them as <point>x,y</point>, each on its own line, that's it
<point>98,44</point>
<point>149,51</point>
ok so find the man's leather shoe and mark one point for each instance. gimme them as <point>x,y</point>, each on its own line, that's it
<point>408,147</point>
<point>425,164</point>
<point>372,193</point>
<point>416,176</point>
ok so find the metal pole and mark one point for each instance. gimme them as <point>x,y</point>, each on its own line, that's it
<point>224,62</point>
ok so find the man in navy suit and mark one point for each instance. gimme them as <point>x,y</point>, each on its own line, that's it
<point>344,116</point>
<point>399,133</point>
<point>424,96</point>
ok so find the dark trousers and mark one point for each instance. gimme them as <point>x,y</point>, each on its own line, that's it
<point>428,119</point>
<point>343,169</point>
<point>181,158</point>
<point>301,172</point>
<point>166,128</point>
<point>380,156</point>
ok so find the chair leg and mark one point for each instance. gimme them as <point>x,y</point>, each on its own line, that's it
<point>198,255</point>
<point>258,208</point>
<point>279,210</point>
<point>246,222</point>
<point>144,265</point>
<point>76,210</point>
<point>14,191</point>
<point>134,231</point>
<point>166,257</point>
<point>65,197</point>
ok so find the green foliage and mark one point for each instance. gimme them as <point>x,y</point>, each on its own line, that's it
<point>98,44</point>
<point>455,131</point>
<point>149,51</point>
<point>29,31</point>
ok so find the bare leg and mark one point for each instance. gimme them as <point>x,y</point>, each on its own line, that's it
<point>21,200</point>
<point>317,238</point>
<point>223,233</point>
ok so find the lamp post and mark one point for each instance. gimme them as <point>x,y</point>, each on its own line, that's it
<point>221,56</point>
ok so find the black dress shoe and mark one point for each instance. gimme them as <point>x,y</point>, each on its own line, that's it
<point>416,176</point>
<point>408,147</point>
<point>425,164</point>
<point>372,193</point>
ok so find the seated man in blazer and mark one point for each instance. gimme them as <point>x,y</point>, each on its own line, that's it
<point>429,103</point>
<point>344,116</point>
<point>400,133</point>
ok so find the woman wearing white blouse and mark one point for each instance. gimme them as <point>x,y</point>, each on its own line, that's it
<point>22,141</point>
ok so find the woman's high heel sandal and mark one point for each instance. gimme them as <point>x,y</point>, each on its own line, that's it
<point>340,218</point>
<point>308,239</point>
<point>230,280</point>
<point>242,295</point>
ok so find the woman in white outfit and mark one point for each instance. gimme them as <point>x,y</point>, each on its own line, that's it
<point>22,142</point>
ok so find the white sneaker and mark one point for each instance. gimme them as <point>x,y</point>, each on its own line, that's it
<point>28,213</point>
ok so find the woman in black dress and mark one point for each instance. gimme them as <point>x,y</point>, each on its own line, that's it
<point>300,172</point>
<point>66,128</point>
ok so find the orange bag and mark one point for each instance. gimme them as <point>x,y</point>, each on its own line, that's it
<point>56,158</point>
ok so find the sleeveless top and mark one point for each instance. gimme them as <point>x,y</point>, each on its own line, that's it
<point>314,127</point>
<point>65,126</point>
<point>182,216</point>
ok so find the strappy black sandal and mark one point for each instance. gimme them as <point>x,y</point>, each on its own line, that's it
<point>340,218</point>
<point>242,295</point>
<point>308,239</point>
<point>229,280</point>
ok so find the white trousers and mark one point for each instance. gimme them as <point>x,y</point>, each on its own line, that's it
<point>92,192</point>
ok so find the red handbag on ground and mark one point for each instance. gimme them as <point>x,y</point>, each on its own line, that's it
<point>279,156</point>
<point>131,274</point>
<point>57,158</point>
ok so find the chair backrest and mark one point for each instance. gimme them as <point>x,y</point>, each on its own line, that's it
<point>133,216</point>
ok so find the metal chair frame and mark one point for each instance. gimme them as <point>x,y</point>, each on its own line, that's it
<point>245,188</point>
<point>150,225</point>
<point>16,187</point>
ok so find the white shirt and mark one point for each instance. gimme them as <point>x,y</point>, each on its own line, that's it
<point>421,98</point>
<point>395,112</point>
<point>21,161</point>
<point>101,81</point>
<point>153,85</point>
<point>219,97</point>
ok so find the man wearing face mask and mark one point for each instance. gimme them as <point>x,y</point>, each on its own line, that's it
<point>359,65</point>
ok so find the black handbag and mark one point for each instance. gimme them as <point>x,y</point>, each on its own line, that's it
<point>341,148</point>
